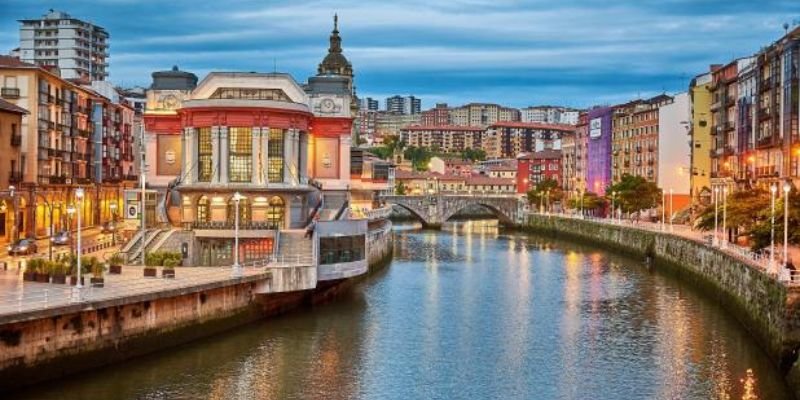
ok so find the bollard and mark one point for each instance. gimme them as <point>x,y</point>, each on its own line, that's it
<point>46,297</point>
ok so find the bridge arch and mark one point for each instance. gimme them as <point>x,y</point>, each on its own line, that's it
<point>433,210</point>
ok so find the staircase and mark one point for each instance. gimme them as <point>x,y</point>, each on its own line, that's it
<point>294,246</point>
<point>333,203</point>
<point>135,253</point>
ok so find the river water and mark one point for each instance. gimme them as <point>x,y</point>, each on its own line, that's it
<point>469,313</point>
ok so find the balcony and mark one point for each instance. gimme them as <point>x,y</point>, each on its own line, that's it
<point>16,139</point>
<point>15,177</point>
<point>247,225</point>
<point>9,93</point>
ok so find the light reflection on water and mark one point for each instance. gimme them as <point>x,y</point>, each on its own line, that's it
<point>469,312</point>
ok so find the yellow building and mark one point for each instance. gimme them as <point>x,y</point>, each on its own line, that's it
<point>700,181</point>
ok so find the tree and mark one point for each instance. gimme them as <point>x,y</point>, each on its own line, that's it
<point>381,152</point>
<point>760,232</point>
<point>634,194</point>
<point>400,188</point>
<point>473,155</point>
<point>546,191</point>
<point>591,201</point>
<point>419,156</point>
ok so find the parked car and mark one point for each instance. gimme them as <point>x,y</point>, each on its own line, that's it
<point>109,227</point>
<point>61,238</point>
<point>22,246</point>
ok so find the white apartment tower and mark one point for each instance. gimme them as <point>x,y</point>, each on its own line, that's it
<point>77,48</point>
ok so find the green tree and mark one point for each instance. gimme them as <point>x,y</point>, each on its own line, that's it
<point>591,201</point>
<point>400,188</point>
<point>473,155</point>
<point>419,156</point>
<point>634,194</point>
<point>546,191</point>
<point>760,231</point>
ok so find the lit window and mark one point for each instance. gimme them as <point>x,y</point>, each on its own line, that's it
<point>240,154</point>
<point>275,155</point>
<point>204,162</point>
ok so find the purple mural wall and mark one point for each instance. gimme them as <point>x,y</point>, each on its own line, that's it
<point>598,166</point>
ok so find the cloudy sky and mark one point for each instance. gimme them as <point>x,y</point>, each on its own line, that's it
<point>517,53</point>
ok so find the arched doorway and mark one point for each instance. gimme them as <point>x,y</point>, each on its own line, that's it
<point>276,209</point>
<point>202,210</point>
<point>244,211</point>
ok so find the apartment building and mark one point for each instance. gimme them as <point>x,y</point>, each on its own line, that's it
<point>450,139</point>
<point>635,138</point>
<point>79,49</point>
<point>482,114</point>
<point>509,139</point>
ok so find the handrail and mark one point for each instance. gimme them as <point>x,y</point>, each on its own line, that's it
<point>340,213</point>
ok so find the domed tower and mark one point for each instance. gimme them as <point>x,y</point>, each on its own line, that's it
<point>335,63</point>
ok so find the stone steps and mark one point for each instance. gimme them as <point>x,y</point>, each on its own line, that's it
<point>293,244</point>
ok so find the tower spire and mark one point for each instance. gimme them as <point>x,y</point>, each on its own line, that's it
<point>335,22</point>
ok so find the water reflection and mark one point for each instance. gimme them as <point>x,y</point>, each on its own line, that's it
<point>469,312</point>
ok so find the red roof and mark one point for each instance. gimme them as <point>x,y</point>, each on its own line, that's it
<point>11,107</point>
<point>546,154</point>
<point>14,62</point>
<point>442,128</point>
<point>487,180</point>
<point>400,174</point>
<point>534,125</point>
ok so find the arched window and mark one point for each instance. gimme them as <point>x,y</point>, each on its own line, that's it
<point>202,209</point>
<point>275,212</point>
<point>244,211</point>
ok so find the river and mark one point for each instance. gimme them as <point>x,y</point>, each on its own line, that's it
<point>471,312</point>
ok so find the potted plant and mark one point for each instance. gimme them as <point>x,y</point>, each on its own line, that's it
<point>169,267</point>
<point>73,268</point>
<point>30,269</point>
<point>98,268</point>
<point>115,264</point>
<point>43,271</point>
<point>59,271</point>
<point>151,261</point>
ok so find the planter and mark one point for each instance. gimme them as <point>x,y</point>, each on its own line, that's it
<point>150,272</point>
<point>42,278</point>
<point>97,282</point>
<point>168,273</point>
<point>115,269</point>
<point>60,278</point>
<point>29,276</point>
<point>74,280</point>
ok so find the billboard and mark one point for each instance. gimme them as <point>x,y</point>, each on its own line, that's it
<point>596,128</point>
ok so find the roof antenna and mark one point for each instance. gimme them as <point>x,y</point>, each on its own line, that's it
<point>274,65</point>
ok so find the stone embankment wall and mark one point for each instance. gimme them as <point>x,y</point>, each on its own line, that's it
<point>379,243</point>
<point>766,307</point>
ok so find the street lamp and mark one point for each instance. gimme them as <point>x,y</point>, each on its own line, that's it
<point>715,241</point>
<point>772,189</point>
<point>237,269</point>
<point>724,217</point>
<point>613,208</point>
<point>113,207</point>
<point>663,210</point>
<point>70,212</point>
<point>581,201</point>
<point>671,210</point>
<point>786,189</point>
<point>15,229</point>
<point>76,293</point>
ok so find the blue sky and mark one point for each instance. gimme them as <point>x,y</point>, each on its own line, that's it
<point>517,53</point>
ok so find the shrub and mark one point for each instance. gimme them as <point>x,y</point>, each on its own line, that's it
<point>170,263</point>
<point>116,259</point>
<point>36,265</point>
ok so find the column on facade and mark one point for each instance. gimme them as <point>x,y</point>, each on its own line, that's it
<point>223,161</point>
<point>257,171</point>
<point>264,157</point>
<point>215,164</point>
<point>344,157</point>
<point>288,152</point>
<point>303,154</point>
<point>188,172</point>
<point>292,161</point>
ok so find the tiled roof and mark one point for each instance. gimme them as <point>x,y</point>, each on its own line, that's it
<point>5,106</point>
<point>486,180</point>
<point>442,128</point>
<point>534,125</point>
<point>544,154</point>
<point>14,62</point>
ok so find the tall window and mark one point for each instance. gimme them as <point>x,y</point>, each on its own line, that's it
<point>202,209</point>
<point>275,155</point>
<point>204,161</point>
<point>240,154</point>
<point>244,211</point>
<point>275,212</point>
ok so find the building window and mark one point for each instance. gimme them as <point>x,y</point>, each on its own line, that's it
<point>244,211</point>
<point>202,209</point>
<point>204,161</point>
<point>275,155</point>
<point>341,249</point>
<point>240,154</point>
<point>275,212</point>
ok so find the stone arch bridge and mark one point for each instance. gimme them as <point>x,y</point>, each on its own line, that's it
<point>433,210</point>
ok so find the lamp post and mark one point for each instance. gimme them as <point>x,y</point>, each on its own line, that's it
<point>237,269</point>
<point>113,207</point>
<point>581,202</point>
<point>15,228</point>
<point>671,210</point>
<point>663,210</point>
<point>613,207</point>
<point>786,189</point>
<point>715,241</point>
<point>70,211</point>
<point>76,293</point>
<point>772,189</point>
<point>724,217</point>
<point>547,201</point>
